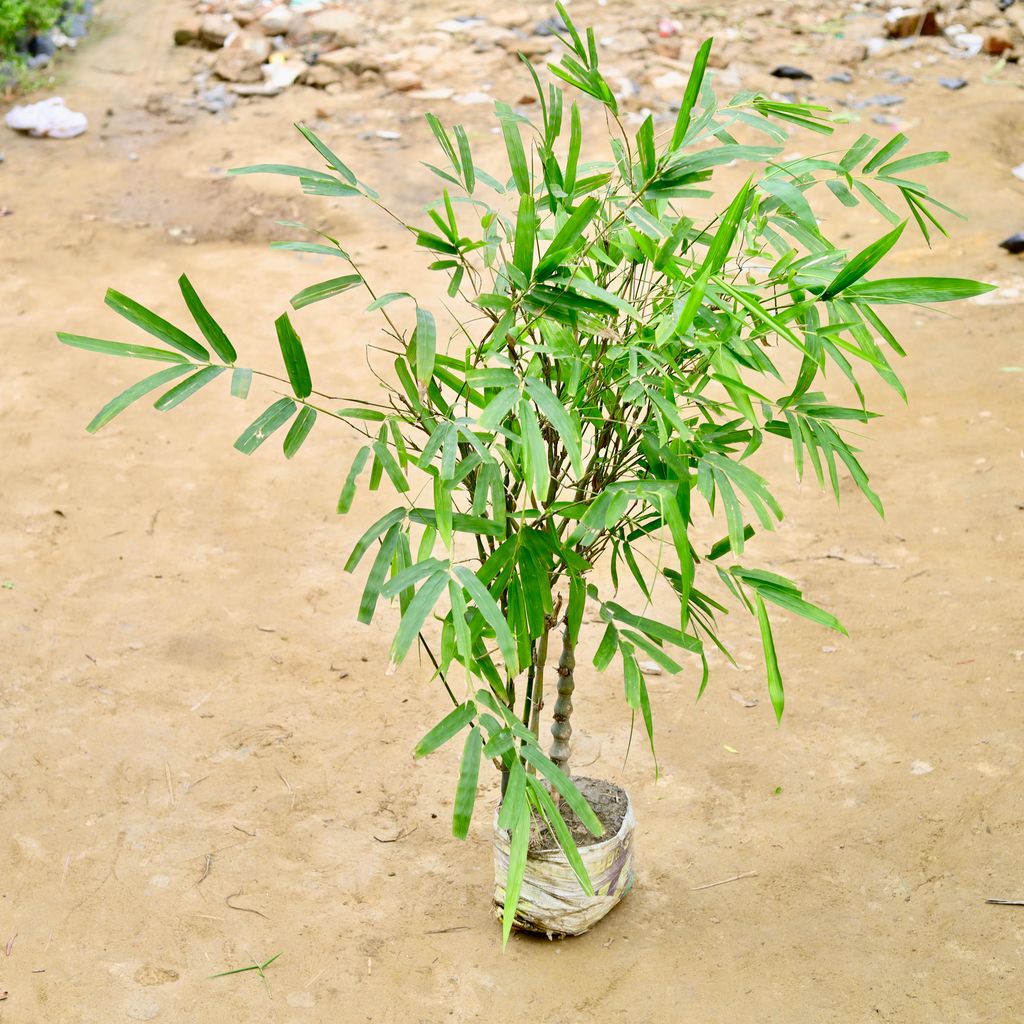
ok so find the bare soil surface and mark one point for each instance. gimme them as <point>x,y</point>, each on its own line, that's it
<point>202,763</point>
<point>607,800</point>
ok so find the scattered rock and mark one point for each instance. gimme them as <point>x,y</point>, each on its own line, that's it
<point>277,21</point>
<point>790,72</point>
<point>511,17</point>
<point>952,83</point>
<point>216,99</point>
<point>970,42</point>
<point>402,81</point>
<point>1014,244</point>
<point>321,75</point>
<point>904,23</point>
<point>670,81</point>
<point>469,99</point>
<point>453,26</point>
<point>215,29</point>
<point>843,77</point>
<point>432,94</point>
<point>42,46</point>
<point>350,58</point>
<point>631,40</point>
<point>920,768</point>
<point>886,100</point>
<point>897,77</point>
<point>1005,5</point>
<point>996,44</point>
<point>850,51</point>
<point>1018,172</point>
<point>338,27</point>
<point>187,32</point>
<point>243,59</point>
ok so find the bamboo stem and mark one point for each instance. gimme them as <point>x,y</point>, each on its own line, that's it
<point>561,728</point>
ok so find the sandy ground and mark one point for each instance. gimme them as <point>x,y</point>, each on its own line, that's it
<point>202,762</point>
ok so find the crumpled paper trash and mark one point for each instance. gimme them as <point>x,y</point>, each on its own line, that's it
<point>47,118</point>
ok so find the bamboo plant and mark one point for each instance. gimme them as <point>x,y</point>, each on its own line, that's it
<point>615,356</point>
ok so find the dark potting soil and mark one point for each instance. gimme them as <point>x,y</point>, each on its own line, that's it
<point>608,802</point>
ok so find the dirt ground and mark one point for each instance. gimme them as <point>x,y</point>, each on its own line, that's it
<point>202,763</point>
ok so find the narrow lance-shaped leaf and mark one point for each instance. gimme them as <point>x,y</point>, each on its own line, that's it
<point>465,792</point>
<point>271,419</point>
<point>241,381</point>
<point>299,431</point>
<point>136,391</point>
<point>700,64</point>
<point>325,290</point>
<point>771,663</point>
<point>188,387</point>
<point>155,325</point>
<point>516,867</point>
<point>426,344</point>
<point>415,616</point>
<point>451,725</point>
<point>492,615</point>
<point>294,357</point>
<point>212,330</point>
<point>120,348</point>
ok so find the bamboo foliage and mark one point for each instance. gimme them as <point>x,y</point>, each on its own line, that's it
<point>615,366</point>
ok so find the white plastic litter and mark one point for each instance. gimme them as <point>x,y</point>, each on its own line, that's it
<point>552,901</point>
<point>47,118</point>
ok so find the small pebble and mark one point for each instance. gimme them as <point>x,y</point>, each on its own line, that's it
<point>920,768</point>
<point>843,77</point>
<point>886,100</point>
<point>1018,172</point>
<point>897,78</point>
<point>1014,244</point>
<point>952,83</point>
<point>796,74</point>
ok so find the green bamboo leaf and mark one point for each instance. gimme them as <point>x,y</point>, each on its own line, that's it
<point>119,348</point>
<point>415,616</point>
<point>556,414</point>
<point>426,344</point>
<point>466,158</point>
<point>775,689</point>
<point>316,248</point>
<point>325,290</point>
<point>241,381</point>
<point>271,419</point>
<point>386,521</point>
<point>286,169</point>
<point>516,867</point>
<point>294,357</point>
<point>377,574</point>
<point>515,795</point>
<point>526,235</point>
<point>488,608</point>
<point>136,391</point>
<point>700,63</point>
<point>465,792</point>
<point>188,387</point>
<point>535,451</point>
<point>514,148</point>
<point>863,262</point>
<point>916,290</point>
<point>299,431</point>
<point>157,326</point>
<point>326,153</point>
<point>390,466</point>
<point>553,816</point>
<point>566,787</point>
<point>451,725</point>
<point>212,331</point>
<point>348,491</point>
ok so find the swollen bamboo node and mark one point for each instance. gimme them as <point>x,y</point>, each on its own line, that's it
<point>561,728</point>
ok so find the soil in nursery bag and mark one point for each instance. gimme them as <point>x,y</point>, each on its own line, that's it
<point>608,802</point>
